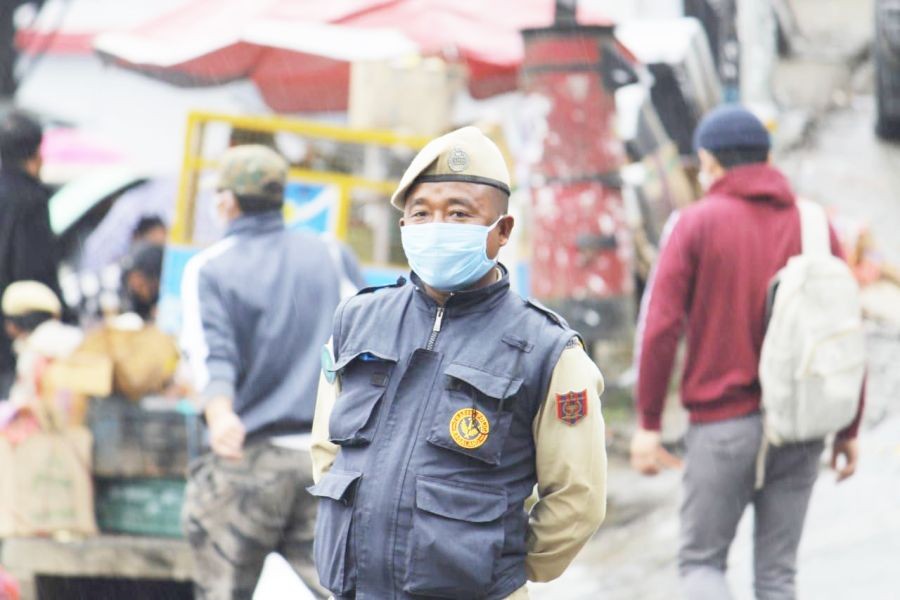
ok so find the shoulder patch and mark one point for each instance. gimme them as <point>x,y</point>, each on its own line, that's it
<point>572,407</point>
<point>401,281</point>
<point>553,316</point>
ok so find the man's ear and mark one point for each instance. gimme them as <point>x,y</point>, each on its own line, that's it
<point>707,160</point>
<point>505,227</point>
<point>228,204</point>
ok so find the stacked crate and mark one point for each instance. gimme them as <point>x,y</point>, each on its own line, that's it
<point>141,454</point>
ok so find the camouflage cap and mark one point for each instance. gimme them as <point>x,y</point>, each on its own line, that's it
<point>462,155</point>
<point>24,297</point>
<point>253,170</point>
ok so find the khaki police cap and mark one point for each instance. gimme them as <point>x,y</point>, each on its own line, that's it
<point>253,170</point>
<point>24,297</point>
<point>462,155</point>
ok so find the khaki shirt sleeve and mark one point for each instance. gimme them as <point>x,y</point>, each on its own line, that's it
<point>323,452</point>
<point>571,470</point>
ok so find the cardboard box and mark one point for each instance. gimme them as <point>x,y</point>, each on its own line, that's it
<point>83,373</point>
<point>46,485</point>
<point>68,383</point>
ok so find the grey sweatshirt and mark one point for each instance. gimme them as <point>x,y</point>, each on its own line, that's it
<point>257,309</point>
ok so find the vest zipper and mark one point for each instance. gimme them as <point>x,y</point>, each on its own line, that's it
<point>436,329</point>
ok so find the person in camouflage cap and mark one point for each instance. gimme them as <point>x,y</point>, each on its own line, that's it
<point>257,308</point>
<point>255,175</point>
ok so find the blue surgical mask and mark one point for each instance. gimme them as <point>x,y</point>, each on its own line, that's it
<point>448,256</point>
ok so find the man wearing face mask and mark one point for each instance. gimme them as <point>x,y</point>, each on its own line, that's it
<point>444,401</point>
<point>257,308</point>
<point>716,261</point>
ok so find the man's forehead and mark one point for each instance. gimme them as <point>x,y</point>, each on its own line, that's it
<point>437,191</point>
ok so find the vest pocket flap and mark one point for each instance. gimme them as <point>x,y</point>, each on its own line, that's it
<point>365,355</point>
<point>332,549</point>
<point>489,384</point>
<point>364,379</point>
<point>337,485</point>
<point>460,502</point>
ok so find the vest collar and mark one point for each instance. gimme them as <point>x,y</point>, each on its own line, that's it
<point>466,301</point>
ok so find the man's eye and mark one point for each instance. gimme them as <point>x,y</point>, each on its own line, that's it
<point>458,214</point>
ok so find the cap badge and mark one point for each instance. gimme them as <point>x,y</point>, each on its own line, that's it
<point>458,160</point>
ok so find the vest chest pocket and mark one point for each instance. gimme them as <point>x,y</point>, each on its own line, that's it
<point>470,417</point>
<point>364,378</point>
<point>456,538</point>
<point>332,549</point>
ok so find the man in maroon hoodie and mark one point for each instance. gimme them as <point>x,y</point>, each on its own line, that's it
<point>718,257</point>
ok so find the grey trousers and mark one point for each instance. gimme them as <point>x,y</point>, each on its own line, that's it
<point>719,478</point>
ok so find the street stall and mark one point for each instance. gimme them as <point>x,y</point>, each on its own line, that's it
<point>89,471</point>
<point>299,53</point>
<point>118,456</point>
<point>655,183</point>
<point>684,84</point>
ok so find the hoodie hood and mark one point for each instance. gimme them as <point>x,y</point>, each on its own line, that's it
<point>755,182</point>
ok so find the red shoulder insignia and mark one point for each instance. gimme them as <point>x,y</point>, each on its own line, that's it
<point>572,407</point>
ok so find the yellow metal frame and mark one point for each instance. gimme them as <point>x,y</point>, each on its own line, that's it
<point>194,162</point>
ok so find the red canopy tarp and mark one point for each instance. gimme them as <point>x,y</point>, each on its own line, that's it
<point>298,52</point>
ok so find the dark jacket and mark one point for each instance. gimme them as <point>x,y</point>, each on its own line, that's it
<point>28,247</point>
<point>717,259</point>
<point>257,309</point>
<point>421,502</point>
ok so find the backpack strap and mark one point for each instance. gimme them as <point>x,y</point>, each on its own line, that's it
<point>814,228</point>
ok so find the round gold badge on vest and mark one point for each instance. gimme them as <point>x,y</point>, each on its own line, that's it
<point>469,428</point>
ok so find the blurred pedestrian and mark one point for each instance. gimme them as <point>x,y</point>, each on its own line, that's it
<point>445,400</point>
<point>150,230</point>
<point>712,279</point>
<point>144,357</point>
<point>31,313</point>
<point>28,247</point>
<point>258,307</point>
<point>143,212</point>
<point>141,273</point>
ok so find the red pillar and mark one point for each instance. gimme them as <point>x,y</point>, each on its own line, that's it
<point>582,249</point>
